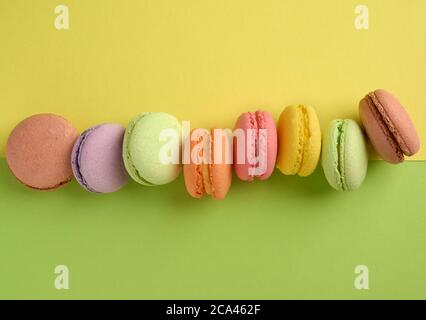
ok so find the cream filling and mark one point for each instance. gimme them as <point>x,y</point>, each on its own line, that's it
<point>340,145</point>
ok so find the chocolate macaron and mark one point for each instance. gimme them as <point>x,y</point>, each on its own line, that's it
<point>388,126</point>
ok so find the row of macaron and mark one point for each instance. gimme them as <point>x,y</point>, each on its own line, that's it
<point>45,151</point>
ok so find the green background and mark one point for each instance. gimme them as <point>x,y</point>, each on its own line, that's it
<point>208,61</point>
<point>287,237</point>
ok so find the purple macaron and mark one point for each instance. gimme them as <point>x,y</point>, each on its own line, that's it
<point>97,161</point>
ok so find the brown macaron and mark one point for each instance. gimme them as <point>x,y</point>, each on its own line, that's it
<point>388,126</point>
<point>38,151</point>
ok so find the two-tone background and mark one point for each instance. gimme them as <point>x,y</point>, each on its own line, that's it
<point>207,61</point>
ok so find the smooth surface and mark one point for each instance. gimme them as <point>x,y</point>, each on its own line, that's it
<point>344,156</point>
<point>286,237</point>
<point>299,140</point>
<point>97,159</point>
<point>38,151</point>
<point>142,147</point>
<point>207,61</point>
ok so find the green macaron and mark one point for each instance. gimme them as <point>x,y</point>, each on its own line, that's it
<point>148,138</point>
<point>344,155</point>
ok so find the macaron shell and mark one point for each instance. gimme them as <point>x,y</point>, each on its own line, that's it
<point>38,151</point>
<point>312,144</point>
<point>192,173</point>
<point>127,158</point>
<point>100,159</point>
<point>193,185</point>
<point>330,156</point>
<point>142,148</point>
<point>380,136</point>
<point>299,140</point>
<point>245,122</point>
<point>75,158</point>
<point>289,141</point>
<point>344,155</point>
<point>403,128</point>
<point>221,170</point>
<point>267,122</point>
<point>250,122</point>
<point>355,155</point>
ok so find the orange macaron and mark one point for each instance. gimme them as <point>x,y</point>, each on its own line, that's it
<point>208,164</point>
<point>38,151</point>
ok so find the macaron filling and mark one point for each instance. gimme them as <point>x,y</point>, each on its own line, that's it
<point>76,161</point>
<point>340,152</point>
<point>303,135</point>
<point>257,126</point>
<point>255,120</point>
<point>262,148</point>
<point>388,128</point>
<point>199,183</point>
<point>207,178</point>
<point>204,177</point>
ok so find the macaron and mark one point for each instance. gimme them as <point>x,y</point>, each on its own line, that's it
<point>148,141</point>
<point>97,161</point>
<point>209,171</point>
<point>344,155</point>
<point>38,151</point>
<point>299,141</point>
<point>389,127</point>
<point>255,146</point>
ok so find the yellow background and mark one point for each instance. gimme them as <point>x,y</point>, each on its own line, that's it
<point>207,60</point>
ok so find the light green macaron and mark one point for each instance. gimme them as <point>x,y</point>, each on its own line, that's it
<point>344,155</point>
<point>148,137</point>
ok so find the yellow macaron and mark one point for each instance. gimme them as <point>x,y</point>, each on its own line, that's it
<point>299,141</point>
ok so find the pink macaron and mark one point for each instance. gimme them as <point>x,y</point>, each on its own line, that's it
<point>388,126</point>
<point>255,146</point>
